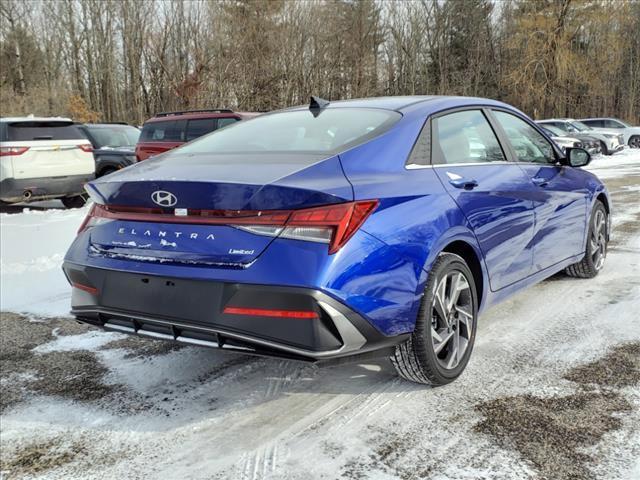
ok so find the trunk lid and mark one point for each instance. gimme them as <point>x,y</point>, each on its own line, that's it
<point>171,202</point>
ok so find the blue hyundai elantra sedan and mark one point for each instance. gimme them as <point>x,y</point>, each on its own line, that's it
<point>379,226</point>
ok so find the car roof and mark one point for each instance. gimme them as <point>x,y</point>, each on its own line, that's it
<point>106,125</point>
<point>423,103</point>
<point>190,114</point>
<point>31,118</point>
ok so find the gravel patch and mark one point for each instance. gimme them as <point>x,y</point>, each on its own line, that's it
<point>553,433</point>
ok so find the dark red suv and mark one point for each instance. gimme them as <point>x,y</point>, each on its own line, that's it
<point>169,130</point>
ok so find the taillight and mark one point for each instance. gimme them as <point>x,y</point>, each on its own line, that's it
<point>332,224</point>
<point>267,312</point>
<point>93,219</point>
<point>86,148</point>
<point>6,151</point>
<point>342,221</point>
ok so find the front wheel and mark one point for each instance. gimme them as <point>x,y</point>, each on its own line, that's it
<point>634,142</point>
<point>74,202</point>
<point>440,346</point>
<point>603,149</point>
<point>596,250</point>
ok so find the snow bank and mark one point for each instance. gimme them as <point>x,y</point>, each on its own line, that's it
<point>33,244</point>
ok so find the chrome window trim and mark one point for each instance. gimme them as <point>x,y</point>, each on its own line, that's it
<point>413,166</point>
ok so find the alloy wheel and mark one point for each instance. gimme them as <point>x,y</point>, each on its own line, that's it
<point>452,319</point>
<point>598,240</point>
<point>635,142</point>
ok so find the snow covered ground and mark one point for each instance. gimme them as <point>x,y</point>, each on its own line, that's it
<point>81,403</point>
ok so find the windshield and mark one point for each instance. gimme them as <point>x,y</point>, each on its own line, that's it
<point>298,131</point>
<point>114,136</point>
<point>579,126</point>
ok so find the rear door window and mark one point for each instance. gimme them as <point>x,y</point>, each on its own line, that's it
<point>200,126</point>
<point>169,131</point>
<point>38,130</point>
<point>612,124</point>
<point>465,137</point>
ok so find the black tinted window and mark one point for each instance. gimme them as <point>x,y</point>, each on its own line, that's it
<point>528,144</point>
<point>465,137</point>
<point>201,126</point>
<point>169,131</point>
<point>29,131</point>
<point>594,123</point>
<point>223,122</point>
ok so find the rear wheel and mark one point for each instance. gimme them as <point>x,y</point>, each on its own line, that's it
<point>440,346</point>
<point>74,202</point>
<point>596,251</point>
<point>634,142</point>
<point>107,171</point>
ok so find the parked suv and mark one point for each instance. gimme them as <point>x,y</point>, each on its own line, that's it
<point>44,158</point>
<point>572,140</point>
<point>630,134</point>
<point>610,142</point>
<point>169,130</point>
<point>113,145</point>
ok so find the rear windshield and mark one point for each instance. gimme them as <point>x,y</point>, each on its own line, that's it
<point>39,130</point>
<point>114,136</point>
<point>298,131</point>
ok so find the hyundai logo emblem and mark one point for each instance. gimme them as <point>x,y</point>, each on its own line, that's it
<point>163,198</point>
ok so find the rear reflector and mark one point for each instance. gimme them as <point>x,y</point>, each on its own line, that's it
<point>263,312</point>
<point>86,148</point>
<point>6,151</point>
<point>86,288</point>
<point>332,224</point>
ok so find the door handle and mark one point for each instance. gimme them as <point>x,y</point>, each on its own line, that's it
<point>541,182</point>
<point>464,183</point>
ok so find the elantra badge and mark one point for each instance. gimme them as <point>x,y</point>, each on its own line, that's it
<point>164,198</point>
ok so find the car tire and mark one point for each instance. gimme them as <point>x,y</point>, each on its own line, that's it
<point>596,250</point>
<point>107,171</point>
<point>421,358</point>
<point>603,149</point>
<point>634,141</point>
<point>74,202</point>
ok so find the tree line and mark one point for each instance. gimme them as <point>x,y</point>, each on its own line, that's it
<point>125,60</point>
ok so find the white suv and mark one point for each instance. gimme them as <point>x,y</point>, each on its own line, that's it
<point>631,134</point>
<point>44,158</point>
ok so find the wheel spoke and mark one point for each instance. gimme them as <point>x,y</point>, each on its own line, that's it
<point>444,339</point>
<point>453,351</point>
<point>465,319</point>
<point>440,303</point>
<point>458,284</point>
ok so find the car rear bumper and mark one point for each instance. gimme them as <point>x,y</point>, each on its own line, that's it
<point>193,311</point>
<point>14,190</point>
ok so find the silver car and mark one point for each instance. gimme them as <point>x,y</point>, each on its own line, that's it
<point>631,134</point>
<point>609,141</point>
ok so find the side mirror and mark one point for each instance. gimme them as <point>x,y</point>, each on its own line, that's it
<point>577,157</point>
